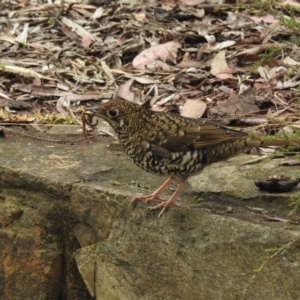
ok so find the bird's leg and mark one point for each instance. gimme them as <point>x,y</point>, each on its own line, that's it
<point>164,205</point>
<point>155,195</point>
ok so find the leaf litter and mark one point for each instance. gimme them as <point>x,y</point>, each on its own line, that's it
<point>199,59</point>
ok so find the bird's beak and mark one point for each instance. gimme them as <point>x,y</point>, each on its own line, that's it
<point>93,110</point>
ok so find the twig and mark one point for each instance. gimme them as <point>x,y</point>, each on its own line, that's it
<point>55,141</point>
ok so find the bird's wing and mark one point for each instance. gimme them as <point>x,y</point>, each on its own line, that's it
<point>174,134</point>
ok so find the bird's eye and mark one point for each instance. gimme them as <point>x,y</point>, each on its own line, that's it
<point>113,113</point>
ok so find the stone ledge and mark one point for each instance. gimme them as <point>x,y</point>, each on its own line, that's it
<point>59,198</point>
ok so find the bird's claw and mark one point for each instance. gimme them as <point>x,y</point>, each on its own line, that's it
<point>164,206</point>
<point>149,198</point>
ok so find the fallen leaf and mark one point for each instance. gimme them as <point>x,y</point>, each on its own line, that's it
<point>62,105</point>
<point>290,3</point>
<point>98,13</point>
<point>189,63</point>
<point>267,19</point>
<point>124,90</point>
<point>78,29</point>
<point>198,13</point>
<point>86,41</point>
<point>219,65</point>
<point>22,37</point>
<point>193,109</point>
<point>224,76</point>
<point>140,17</point>
<point>165,52</point>
<point>159,65</point>
<point>233,108</point>
<point>192,2</point>
<point>223,45</point>
<point>290,61</point>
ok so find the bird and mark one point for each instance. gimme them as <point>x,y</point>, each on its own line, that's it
<point>168,144</point>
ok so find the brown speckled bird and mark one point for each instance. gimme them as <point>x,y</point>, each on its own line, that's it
<point>171,145</point>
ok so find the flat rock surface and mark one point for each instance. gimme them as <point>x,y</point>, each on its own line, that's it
<point>226,186</point>
<point>68,197</point>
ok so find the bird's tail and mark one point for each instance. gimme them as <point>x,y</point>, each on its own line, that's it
<point>231,148</point>
<point>253,142</point>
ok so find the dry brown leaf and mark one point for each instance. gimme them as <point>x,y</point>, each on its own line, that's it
<point>224,76</point>
<point>124,91</point>
<point>267,19</point>
<point>290,3</point>
<point>219,65</point>
<point>223,45</point>
<point>198,13</point>
<point>166,99</point>
<point>22,71</point>
<point>128,35</point>
<point>290,61</point>
<point>62,105</point>
<point>159,65</point>
<point>145,80</point>
<point>86,41</point>
<point>192,2</point>
<point>253,50</point>
<point>22,37</point>
<point>169,5</point>
<point>79,30</point>
<point>193,109</point>
<point>98,13</point>
<point>107,71</point>
<point>140,16</point>
<point>234,107</point>
<point>71,34</point>
<point>37,81</point>
<point>189,64</point>
<point>8,39</point>
<point>211,39</point>
<point>165,52</point>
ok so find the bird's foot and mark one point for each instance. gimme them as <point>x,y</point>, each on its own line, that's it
<point>164,205</point>
<point>152,197</point>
